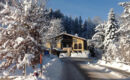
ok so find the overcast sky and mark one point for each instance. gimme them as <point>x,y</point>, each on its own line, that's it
<point>86,8</point>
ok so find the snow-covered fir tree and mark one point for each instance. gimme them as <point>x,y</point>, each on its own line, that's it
<point>90,28</point>
<point>84,29</point>
<point>110,29</point>
<point>110,36</point>
<point>23,24</point>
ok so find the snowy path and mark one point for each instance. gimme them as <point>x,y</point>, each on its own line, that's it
<point>78,69</point>
<point>70,71</point>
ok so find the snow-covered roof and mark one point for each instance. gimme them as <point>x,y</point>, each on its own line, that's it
<point>70,35</point>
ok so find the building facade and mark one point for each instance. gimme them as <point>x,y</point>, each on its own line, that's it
<point>67,42</point>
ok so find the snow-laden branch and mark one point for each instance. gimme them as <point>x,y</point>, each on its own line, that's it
<point>20,32</point>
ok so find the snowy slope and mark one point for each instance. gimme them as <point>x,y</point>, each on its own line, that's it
<point>116,65</point>
<point>52,70</point>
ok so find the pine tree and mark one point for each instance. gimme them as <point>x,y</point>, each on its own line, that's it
<point>57,14</point>
<point>90,28</point>
<point>110,29</point>
<point>80,26</point>
<point>71,25</point>
<point>76,25</point>
<point>110,41</point>
<point>84,29</point>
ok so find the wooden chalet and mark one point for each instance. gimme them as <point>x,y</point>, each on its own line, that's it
<point>67,43</point>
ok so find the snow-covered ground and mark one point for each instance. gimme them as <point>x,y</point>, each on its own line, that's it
<point>100,72</point>
<point>62,55</point>
<point>52,68</point>
<point>119,70</point>
<point>116,65</point>
<point>84,54</point>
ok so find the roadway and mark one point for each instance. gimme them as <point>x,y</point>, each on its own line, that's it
<point>78,69</point>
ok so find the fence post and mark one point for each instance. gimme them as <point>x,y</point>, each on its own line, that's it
<point>41,63</point>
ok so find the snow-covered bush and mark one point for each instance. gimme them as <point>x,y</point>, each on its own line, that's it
<point>56,28</point>
<point>24,23</point>
<point>98,39</point>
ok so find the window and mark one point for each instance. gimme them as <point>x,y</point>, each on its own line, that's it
<point>64,45</point>
<point>80,46</point>
<point>75,40</point>
<point>75,46</point>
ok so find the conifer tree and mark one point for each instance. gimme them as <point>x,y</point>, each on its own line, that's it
<point>110,29</point>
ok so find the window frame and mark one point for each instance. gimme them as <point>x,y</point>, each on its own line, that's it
<point>80,46</point>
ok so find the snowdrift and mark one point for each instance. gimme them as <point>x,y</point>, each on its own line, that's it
<point>52,70</point>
